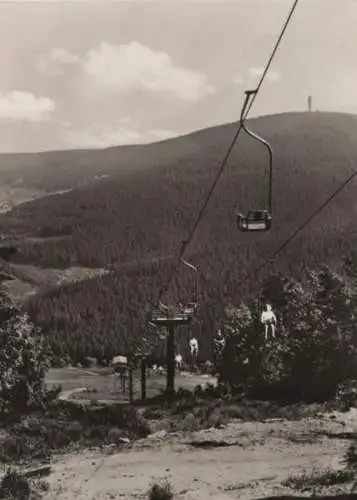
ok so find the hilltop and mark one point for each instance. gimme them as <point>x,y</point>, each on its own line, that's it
<point>129,208</point>
<point>53,171</point>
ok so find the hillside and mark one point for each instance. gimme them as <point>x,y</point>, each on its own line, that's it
<point>133,220</point>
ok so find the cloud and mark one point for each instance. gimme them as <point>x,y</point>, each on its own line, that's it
<point>238,80</point>
<point>24,106</point>
<point>136,67</point>
<point>54,62</point>
<point>123,68</point>
<point>101,137</point>
<point>272,76</point>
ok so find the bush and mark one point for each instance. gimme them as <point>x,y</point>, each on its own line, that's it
<point>118,415</point>
<point>13,485</point>
<point>115,435</point>
<point>160,492</point>
<point>65,426</point>
<point>351,457</point>
<point>323,478</point>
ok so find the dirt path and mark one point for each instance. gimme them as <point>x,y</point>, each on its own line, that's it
<point>264,455</point>
<point>67,395</point>
<point>75,380</point>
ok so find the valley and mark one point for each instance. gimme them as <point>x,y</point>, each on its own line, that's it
<point>102,249</point>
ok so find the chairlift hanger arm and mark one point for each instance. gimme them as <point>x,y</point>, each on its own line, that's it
<point>188,264</point>
<point>225,159</point>
<point>243,114</point>
<point>248,94</point>
<point>194,268</point>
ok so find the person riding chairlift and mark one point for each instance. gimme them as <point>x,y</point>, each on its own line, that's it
<point>193,343</point>
<point>121,371</point>
<point>269,320</point>
<point>219,343</point>
<point>179,361</point>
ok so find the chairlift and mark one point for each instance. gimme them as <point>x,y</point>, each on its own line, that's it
<point>191,307</point>
<point>256,220</point>
<point>177,315</point>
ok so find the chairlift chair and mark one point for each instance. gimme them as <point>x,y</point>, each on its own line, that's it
<point>169,316</point>
<point>256,220</point>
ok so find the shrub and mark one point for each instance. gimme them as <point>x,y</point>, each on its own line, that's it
<point>351,457</point>
<point>13,485</point>
<point>160,492</point>
<point>115,435</point>
<point>323,478</point>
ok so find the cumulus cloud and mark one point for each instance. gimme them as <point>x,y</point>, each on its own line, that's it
<point>55,61</point>
<point>238,80</point>
<point>101,137</point>
<point>123,68</point>
<point>272,76</point>
<point>24,106</point>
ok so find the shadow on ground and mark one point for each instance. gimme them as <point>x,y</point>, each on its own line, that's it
<point>352,496</point>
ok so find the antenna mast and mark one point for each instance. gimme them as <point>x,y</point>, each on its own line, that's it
<point>309,103</point>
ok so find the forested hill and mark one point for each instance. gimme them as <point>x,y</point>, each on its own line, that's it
<point>122,222</point>
<point>60,170</point>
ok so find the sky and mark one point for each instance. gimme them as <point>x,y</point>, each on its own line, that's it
<point>90,74</point>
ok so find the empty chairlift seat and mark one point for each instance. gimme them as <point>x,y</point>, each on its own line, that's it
<point>119,363</point>
<point>255,220</point>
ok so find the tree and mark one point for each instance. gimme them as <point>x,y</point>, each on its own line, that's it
<point>23,360</point>
<point>240,358</point>
<point>349,264</point>
<point>332,327</point>
<point>288,298</point>
<point>316,346</point>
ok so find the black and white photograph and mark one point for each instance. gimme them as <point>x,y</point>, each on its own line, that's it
<point>178,249</point>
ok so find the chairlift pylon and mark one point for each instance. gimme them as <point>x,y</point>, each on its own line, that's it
<point>257,219</point>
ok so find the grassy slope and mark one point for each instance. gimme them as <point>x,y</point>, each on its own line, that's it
<point>133,217</point>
